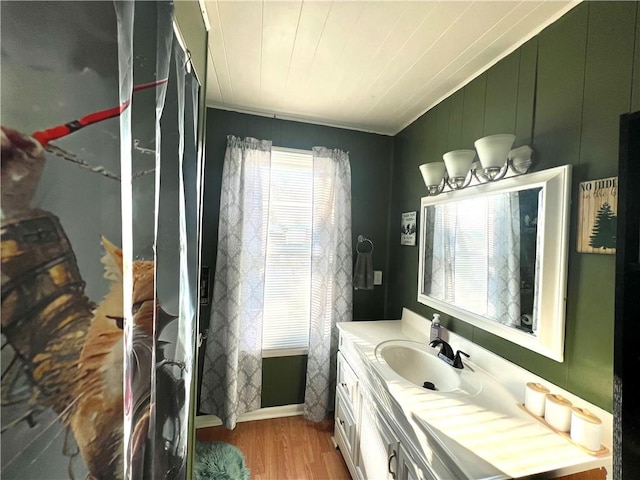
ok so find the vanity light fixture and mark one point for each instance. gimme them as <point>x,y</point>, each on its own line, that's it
<point>433,175</point>
<point>496,160</point>
<point>493,153</point>
<point>458,164</point>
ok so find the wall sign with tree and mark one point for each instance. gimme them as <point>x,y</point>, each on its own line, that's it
<point>597,216</point>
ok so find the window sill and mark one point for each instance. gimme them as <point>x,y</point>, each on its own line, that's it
<point>284,352</point>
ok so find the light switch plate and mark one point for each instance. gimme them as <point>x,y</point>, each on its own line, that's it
<point>377,277</point>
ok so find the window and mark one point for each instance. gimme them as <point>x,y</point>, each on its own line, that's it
<point>287,288</point>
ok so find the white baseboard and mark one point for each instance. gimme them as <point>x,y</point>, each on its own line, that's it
<point>203,421</point>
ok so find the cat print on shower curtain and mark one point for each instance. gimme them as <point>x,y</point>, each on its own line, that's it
<point>70,349</point>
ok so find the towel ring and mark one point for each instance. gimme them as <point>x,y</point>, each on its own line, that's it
<point>361,240</point>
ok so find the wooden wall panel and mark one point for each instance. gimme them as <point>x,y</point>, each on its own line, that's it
<point>456,111</point>
<point>607,87</point>
<point>473,113</point>
<point>501,97</point>
<point>560,84</point>
<point>526,92</point>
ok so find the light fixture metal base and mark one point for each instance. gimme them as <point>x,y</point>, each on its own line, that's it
<point>458,183</point>
<point>433,190</point>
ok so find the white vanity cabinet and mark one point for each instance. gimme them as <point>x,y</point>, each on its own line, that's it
<point>367,437</point>
<point>378,446</point>
<point>389,428</point>
<point>408,469</point>
<point>345,430</point>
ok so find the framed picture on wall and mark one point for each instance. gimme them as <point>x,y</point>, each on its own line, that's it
<point>598,216</point>
<point>408,229</point>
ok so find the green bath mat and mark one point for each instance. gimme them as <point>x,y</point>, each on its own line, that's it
<point>219,461</point>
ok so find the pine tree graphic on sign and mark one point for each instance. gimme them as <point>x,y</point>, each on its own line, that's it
<point>603,234</point>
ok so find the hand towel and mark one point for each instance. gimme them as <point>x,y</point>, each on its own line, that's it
<point>363,272</point>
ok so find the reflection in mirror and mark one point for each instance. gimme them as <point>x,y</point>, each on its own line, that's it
<point>480,255</point>
<point>495,256</point>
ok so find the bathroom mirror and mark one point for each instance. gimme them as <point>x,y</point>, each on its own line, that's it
<point>495,255</point>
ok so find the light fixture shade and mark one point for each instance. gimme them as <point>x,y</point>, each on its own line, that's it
<point>458,162</point>
<point>494,149</point>
<point>521,159</point>
<point>432,173</point>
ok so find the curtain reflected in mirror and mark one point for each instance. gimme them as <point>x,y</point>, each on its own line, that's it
<point>480,256</point>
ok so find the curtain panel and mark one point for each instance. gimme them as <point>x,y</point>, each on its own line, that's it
<point>331,282</point>
<point>232,372</point>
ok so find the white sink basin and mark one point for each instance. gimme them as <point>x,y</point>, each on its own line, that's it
<point>418,363</point>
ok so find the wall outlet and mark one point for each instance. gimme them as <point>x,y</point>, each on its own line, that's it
<point>377,277</point>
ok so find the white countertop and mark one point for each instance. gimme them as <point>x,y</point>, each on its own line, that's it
<point>487,435</point>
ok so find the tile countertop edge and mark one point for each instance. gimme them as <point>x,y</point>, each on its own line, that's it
<point>512,377</point>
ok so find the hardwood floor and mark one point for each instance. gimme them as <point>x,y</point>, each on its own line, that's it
<point>289,448</point>
<point>293,448</point>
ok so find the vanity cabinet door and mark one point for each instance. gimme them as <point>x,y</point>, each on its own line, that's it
<point>378,448</point>
<point>346,380</point>
<point>409,470</point>
<point>345,429</point>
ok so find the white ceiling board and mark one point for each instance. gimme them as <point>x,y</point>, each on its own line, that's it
<point>355,63</point>
<point>439,33</point>
<point>241,25</point>
<point>213,86</point>
<point>325,70</point>
<point>434,24</point>
<point>437,59</point>
<point>218,58</point>
<point>400,26</point>
<point>366,65</point>
<point>278,39</point>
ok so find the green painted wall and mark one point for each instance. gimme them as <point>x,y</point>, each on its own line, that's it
<point>371,166</point>
<point>562,92</point>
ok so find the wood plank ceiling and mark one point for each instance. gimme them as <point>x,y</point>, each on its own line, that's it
<point>366,65</point>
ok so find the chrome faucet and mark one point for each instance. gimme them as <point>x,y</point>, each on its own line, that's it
<point>446,353</point>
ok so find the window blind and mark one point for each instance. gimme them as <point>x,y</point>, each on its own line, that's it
<point>472,247</point>
<point>288,264</point>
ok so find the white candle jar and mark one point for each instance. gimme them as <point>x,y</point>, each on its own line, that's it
<point>586,429</point>
<point>535,397</point>
<point>557,412</point>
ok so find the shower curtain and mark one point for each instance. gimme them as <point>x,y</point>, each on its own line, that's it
<point>99,240</point>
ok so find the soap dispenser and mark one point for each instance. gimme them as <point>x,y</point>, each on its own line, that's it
<point>435,328</point>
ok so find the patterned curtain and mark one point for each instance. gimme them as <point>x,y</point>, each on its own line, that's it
<point>331,263</point>
<point>232,379</point>
<point>503,292</point>
<point>537,281</point>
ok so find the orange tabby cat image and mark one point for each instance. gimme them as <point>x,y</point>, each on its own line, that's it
<point>98,418</point>
<point>72,350</point>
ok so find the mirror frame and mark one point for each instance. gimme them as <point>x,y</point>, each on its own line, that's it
<point>553,265</point>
